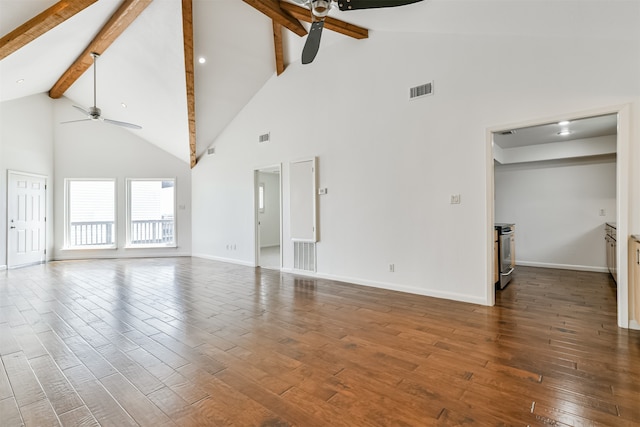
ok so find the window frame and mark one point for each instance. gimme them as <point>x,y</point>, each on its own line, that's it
<point>128,216</point>
<point>67,215</point>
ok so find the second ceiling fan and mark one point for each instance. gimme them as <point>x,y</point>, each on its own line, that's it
<point>320,9</point>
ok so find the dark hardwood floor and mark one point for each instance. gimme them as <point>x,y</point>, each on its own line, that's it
<point>191,342</point>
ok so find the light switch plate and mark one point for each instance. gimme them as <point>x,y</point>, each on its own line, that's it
<point>455,199</point>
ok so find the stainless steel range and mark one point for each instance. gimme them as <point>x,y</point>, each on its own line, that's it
<point>506,253</point>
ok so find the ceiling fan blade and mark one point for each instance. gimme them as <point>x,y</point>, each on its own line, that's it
<point>85,112</point>
<point>312,44</point>
<point>74,121</point>
<point>123,124</point>
<point>371,4</point>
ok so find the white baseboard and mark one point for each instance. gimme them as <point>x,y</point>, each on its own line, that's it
<point>633,324</point>
<point>222,259</point>
<point>3,267</point>
<point>391,286</point>
<point>73,256</point>
<point>562,266</point>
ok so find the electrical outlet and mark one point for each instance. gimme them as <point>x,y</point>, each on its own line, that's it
<point>392,268</point>
<point>603,212</point>
<point>455,199</point>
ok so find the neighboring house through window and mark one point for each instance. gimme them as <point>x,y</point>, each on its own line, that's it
<point>90,213</point>
<point>151,207</point>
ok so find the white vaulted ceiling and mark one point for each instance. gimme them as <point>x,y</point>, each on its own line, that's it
<point>144,67</point>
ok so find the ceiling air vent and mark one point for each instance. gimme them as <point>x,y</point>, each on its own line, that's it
<point>422,90</point>
<point>211,151</point>
<point>508,132</point>
<point>264,138</point>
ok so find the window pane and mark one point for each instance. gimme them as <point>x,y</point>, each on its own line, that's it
<point>151,212</point>
<point>261,197</point>
<point>91,213</point>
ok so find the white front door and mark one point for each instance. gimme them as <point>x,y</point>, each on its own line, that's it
<point>26,210</point>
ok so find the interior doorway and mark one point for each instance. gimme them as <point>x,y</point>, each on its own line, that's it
<point>26,219</point>
<point>589,153</point>
<point>268,217</point>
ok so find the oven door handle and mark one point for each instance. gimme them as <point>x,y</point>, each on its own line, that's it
<point>508,272</point>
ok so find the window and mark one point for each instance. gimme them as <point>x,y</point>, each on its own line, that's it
<point>151,213</point>
<point>90,214</point>
<point>261,197</point>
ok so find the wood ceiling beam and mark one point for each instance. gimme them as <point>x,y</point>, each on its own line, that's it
<point>332,24</point>
<point>272,9</point>
<point>40,24</point>
<point>128,11</point>
<point>187,37</point>
<point>277,42</point>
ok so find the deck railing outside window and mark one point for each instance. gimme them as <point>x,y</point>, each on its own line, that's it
<point>91,233</point>
<point>152,231</point>
<point>100,233</point>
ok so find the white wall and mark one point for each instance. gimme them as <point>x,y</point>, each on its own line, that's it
<point>26,145</point>
<point>270,218</point>
<point>99,150</point>
<point>556,208</point>
<point>390,164</point>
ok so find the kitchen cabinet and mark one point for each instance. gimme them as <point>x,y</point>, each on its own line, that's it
<point>610,242</point>
<point>634,278</point>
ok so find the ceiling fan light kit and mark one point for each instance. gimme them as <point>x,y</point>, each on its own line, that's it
<point>320,10</point>
<point>94,113</point>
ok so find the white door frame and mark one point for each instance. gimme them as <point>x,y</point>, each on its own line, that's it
<point>623,178</point>
<point>8,224</point>
<point>256,188</point>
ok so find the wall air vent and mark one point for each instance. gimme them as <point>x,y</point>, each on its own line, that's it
<point>264,138</point>
<point>211,151</point>
<point>304,256</point>
<point>422,90</point>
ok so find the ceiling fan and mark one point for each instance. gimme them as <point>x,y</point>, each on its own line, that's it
<point>320,9</point>
<point>94,112</point>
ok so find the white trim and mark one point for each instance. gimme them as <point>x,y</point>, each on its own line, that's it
<point>623,180</point>
<point>562,266</point>
<point>623,177</point>
<point>633,324</point>
<point>102,255</point>
<point>3,267</point>
<point>490,288</point>
<point>390,286</point>
<point>222,259</point>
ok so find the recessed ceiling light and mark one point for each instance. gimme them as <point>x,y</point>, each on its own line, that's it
<point>564,132</point>
<point>202,60</point>
<point>563,123</point>
<point>20,81</point>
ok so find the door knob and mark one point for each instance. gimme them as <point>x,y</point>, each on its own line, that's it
<point>12,227</point>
